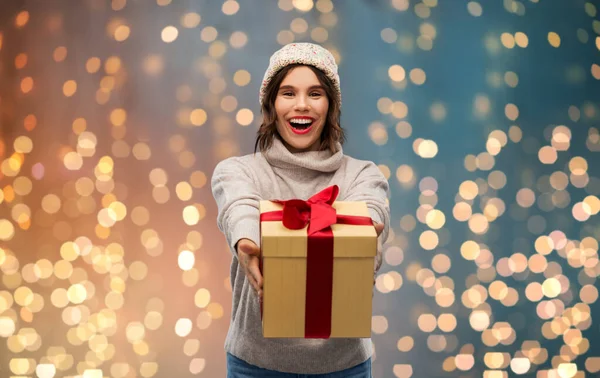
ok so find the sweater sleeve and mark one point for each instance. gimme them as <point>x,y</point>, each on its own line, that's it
<point>237,200</point>
<point>371,186</point>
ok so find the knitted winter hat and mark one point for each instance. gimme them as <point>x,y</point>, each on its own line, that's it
<point>302,53</point>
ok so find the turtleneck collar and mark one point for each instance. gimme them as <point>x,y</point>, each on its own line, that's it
<point>320,161</point>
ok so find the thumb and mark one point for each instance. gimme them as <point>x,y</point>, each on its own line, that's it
<point>379,228</point>
<point>248,247</point>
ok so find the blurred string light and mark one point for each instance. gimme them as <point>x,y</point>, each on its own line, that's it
<point>555,294</point>
<point>81,224</point>
<point>74,213</point>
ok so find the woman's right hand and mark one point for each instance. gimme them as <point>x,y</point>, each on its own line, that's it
<point>248,256</point>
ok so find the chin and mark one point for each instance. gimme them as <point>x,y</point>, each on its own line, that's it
<point>298,145</point>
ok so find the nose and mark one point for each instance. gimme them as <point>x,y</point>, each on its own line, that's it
<point>301,103</point>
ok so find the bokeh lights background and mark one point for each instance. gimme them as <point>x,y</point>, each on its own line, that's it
<point>484,115</point>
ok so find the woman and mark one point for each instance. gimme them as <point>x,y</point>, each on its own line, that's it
<point>300,142</point>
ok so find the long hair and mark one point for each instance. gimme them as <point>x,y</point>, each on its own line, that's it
<point>332,131</point>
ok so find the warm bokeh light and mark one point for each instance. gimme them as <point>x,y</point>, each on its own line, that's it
<point>111,261</point>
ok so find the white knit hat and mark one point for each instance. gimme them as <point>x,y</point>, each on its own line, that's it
<point>302,53</point>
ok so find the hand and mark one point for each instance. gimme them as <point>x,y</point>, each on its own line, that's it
<point>379,229</point>
<point>248,256</point>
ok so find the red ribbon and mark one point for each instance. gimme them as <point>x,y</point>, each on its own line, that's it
<point>319,215</point>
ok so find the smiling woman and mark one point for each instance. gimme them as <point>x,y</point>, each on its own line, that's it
<point>300,90</point>
<point>301,106</point>
<point>300,141</point>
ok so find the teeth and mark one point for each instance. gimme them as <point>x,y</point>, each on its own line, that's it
<point>301,121</point>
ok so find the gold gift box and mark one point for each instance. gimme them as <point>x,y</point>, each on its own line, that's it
<point>284,259</point>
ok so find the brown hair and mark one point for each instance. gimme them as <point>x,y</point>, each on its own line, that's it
<point>332,131</point>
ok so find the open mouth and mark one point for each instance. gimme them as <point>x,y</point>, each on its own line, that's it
<point>300,126</point>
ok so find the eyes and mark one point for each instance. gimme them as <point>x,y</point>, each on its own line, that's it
<point>314,94</point>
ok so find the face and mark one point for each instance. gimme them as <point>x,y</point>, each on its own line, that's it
<point>301,106</point>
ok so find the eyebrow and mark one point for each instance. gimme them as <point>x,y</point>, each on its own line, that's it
<point>292,87</point>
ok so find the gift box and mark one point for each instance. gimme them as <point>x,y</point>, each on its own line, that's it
<point>317,261</point>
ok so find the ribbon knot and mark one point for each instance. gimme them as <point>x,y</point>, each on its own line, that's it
<point>316,212</point>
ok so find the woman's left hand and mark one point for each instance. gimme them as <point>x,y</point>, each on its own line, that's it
<point>379,228</point>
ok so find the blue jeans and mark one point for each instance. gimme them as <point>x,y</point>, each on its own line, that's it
<point>237,368</point>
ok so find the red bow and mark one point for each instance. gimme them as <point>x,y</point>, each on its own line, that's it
<point>317,211</point>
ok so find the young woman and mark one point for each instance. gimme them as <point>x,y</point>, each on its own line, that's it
<point>300,142</point>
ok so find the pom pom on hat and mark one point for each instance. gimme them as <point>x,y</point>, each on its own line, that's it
<point>301,53</point>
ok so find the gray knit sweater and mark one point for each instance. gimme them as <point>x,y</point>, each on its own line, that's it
<point>238,184</point>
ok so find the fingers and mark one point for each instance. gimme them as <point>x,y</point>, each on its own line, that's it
<point>255,286</point>
<point>248,255</point>
<point>250,263</point>
<point>252,281</point>
<point>254,271</point>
